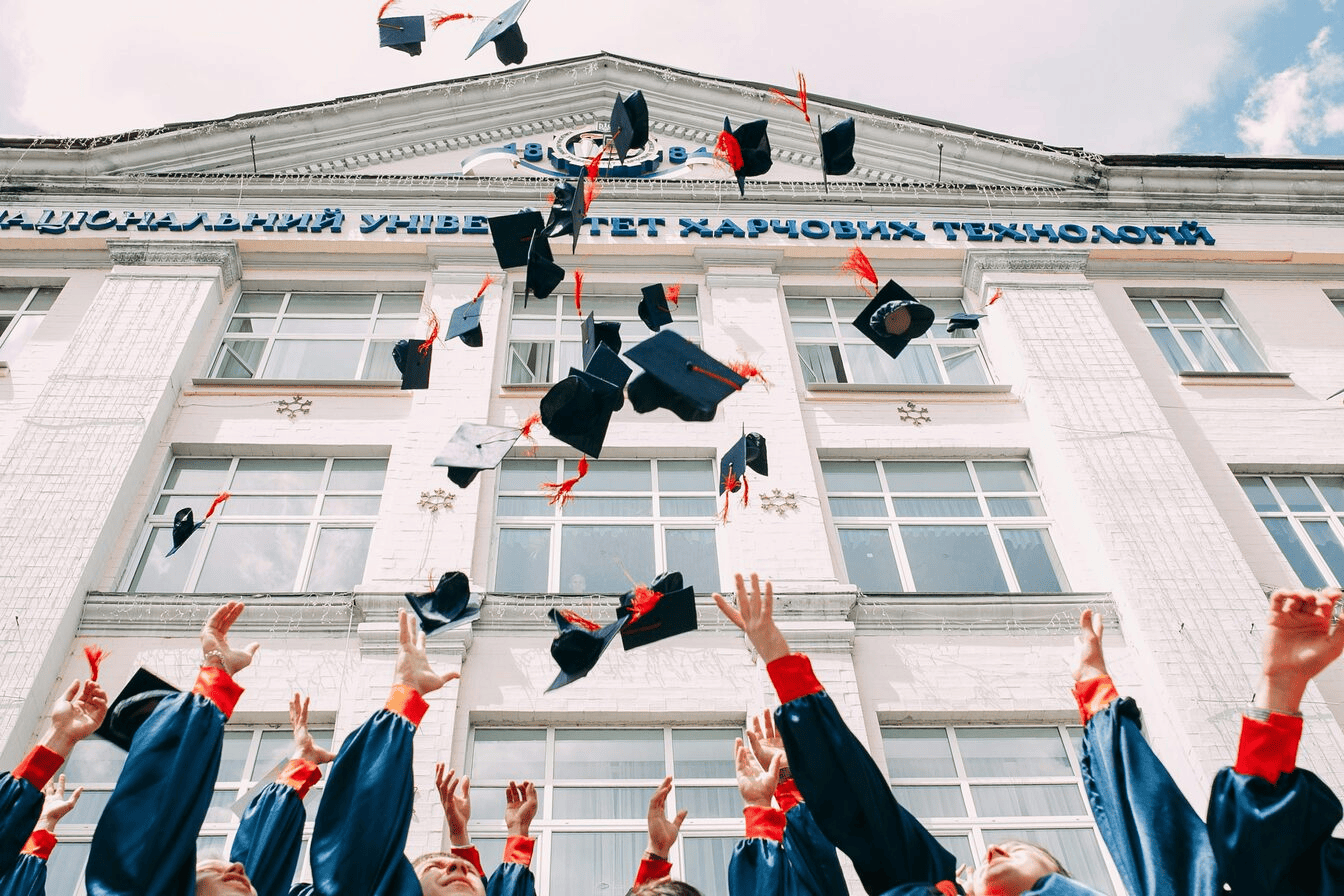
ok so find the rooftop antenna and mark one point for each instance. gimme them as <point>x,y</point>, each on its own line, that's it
<point>940,162</point>
<point>253,138</point>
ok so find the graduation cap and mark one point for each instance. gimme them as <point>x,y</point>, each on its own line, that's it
<point>579,645</point>
<point>837,147</point>
<point>566,215</point>
<point>746,149</point>
<point>185,525</point>
<point>512,236</point>
<point>466,323</point>
<point>577,410</point>
<point>680,377</point>
<point>141,695</point>
<point>664,609</point>
<point>653,308</point>
<point>595,333</point>
<point>608,366</point>
<point>404,33</point>
<point>629,124</point>
<point>507,36</point>
<point>543,274</point>
<point>963,321</point>
<point>894,309</point>
<point>412,358</point>
<point>748,453</point>
<point>473,448</point>
<point>447,606</point>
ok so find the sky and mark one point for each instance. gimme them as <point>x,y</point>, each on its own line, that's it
<point>1230,77</point>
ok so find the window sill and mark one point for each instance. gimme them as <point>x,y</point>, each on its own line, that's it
<point>287,385</point>
<point>909,388</point>
<point>1010,612</point>
<point>524,388</point>
<point>1236,377</point>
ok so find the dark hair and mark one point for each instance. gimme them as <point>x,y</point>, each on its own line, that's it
<point>1059,866</point>
<point>666,887</point>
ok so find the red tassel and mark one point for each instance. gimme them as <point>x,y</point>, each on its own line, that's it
<point>578,293</point>
<point>576,619</point>
<point>527,426</point>
<point>673,293</point>
<point>595,164</point>
<point>433,334</point>
<point>485,284</point>
<point>859,265</point>
<point>219,499</point>
<point>645,600</point>
<point>383,9</point>
<point>453,17</point>
<point>712,375</point>
<point>746,490</point>
<point>591,190</point>
<point>998,294</point>
<point>95,655</point>
<point>801,103</point>
<point>727,149</point>
<point>561,492</point>
<point>749,370</point>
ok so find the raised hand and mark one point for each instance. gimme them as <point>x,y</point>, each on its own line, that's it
<point>304,747</point>
<point>1090,662</point>
<point>766,743</point>
<point>76,714</point>
<point>56,806</point>
<point>756,785</point>
<point>455,797</point>
<point>413,667</point>
<point>215,640</point>
<point>520,808</point>
<point>1299,643</point>
<point>755,615</point>
<point>663,832</point>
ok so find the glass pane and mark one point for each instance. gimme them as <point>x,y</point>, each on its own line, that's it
<point>1262,499</point>
<point>695,554</point>
<point>706,859</point>
<point>869,560</point>
<point>1327,545</point>
<point>708,802</point>
<point>357,474</point>
<point>960,507</point>
<point>88,809</point>
<point>350,505</point>
<point>508,754</point>
<point>1296,493</point>
<point>277,474</point>
<point>18,335</point>
<point>309,359</point>
<point>329,303</point>
<point>233,757</point>
<point>1239,349</point>
<point>1206,359</point>
<point>1001,800</point>
<point>594,862</point>
<point>1332,487</point>
<point>604,505</point>
<point>928,476</point>
<point>610,753</point>
<point>309,326</point>
<point>1214,311</point>
<point>12,298</point>
<point>265,505</point>
<point>601,802</point>
<point>260,303</point>
<point>1171,349</point>
<point>400,303</point>
<point>595,559</point>
<point>813,331</point>
<point>869,364</point>
<point>1297,556</point>
<point>614,475</point>
<point>867,507</point>
<point>211,846</point>
<point>918,753</point>
<point>952,558</point>
<point>378,363</point>
<point>523,559</point>
<point>704,753</point>
<point>1001,507</point>
<point>238,358</point>
<point>338,561</point>
<point>1178,311</point>
<point>65,866</point>
<point>1004,476</point>
<point>964,366</point>
<point>206,475</point>
<point>959,845</point>
<point>525,475</point>
<point>512,505</point>
<point>930,801</point>
<point>685,476</point>
<point>1075,848</point>
<point>808,308</point>
<point>158,572</point>
<point>530,362</point>
<point>488,804</point>
<point>199,504</point>
<point>397,328</point>
<point>850,476</point>
<point>252,325</point>
<point>1033,558</point>
<point>688,506</point>
<point>821,364</point>
<point>94,761</point>
<point>252,557</point>
<point>917,364</point>
<point>1012,752</point>
<point>275,747</point>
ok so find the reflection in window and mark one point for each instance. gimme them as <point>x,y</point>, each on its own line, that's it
<point>1305,517</point>
<point>1198,335</point>
<point>21,310</point>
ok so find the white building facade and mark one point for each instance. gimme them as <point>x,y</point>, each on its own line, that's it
<point>1143,423</point>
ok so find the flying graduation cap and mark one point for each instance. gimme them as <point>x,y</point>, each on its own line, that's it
<point>447,606</point>
<point>663,609</point>
<point>566,215</point>
<point>595,333</point>
<point>748,453</point>
<point>577,410</point>
<point>513,235</point>
<point>629,124</point>
<point>466,324</point>
<point>680,377</point>
<point>132,707</point>
<point>507,37</point>
<point>963,321</point>
<point>412,357</point>
<point>473,448</point>
<point>185,525</point>
<point>893,318</point>
<point>746,150</point>
<point>653,307</point>
<point>579,644</point>
<point>404,33</point>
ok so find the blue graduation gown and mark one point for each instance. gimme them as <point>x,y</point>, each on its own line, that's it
<point>270,838</point>
<point>802,864</point>
<point>20,806</point>
<point>28,877</point>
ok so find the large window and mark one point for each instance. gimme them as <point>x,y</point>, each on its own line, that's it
<point>546,338</point>
<point>973,787</point>
<point>316,335</point>
<point>21,310</point>
<point>942,526</point>
<point>292,524</point>
<point>594,786</point>
<point>628,519</point>
<point>250,753</point>
<point>831,350</point>
<point>1199,335</point>
<point>1305,516</point>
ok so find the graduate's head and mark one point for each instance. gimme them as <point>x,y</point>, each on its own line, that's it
<point>1011,867</point>
<point>218,877</point>
<point>665,887</point>
<point>444,874</point>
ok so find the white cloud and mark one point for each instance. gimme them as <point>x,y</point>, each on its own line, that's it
<point>1298,107</point>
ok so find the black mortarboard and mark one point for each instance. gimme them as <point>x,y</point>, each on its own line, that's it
<point>543,274</point>
<point>755,146</point>
<point>508,37</point>
<point>672,614</point>
<point>891,299</point>
<point>629,123</point>
<point>963,321</point>
<point>184,524</point>
<point>653,308</point>
<point>512,237</point>
<point>837,148</point>
<point>466,323</point>
<point>132,707</point>
<point>447,606</point>
<point>680,377</point>
<point>404,33</point>
<point>413,362</point>
<point>566,215</point>
<point>595,333</point>
<point>577,410</point>
<point>607,366</point>
<point>473,448</point>
<point>748,453</point>
<point>577,648</point>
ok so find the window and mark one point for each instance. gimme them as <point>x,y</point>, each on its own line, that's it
<point>629,519</point>
<point>593,786</point>
<point>316,335</point>
<point>951,526</point>
<point>973,787</point>
<point>1305,516</point>
<point>249,758</point>
<point>832,350</point>
<point>21,310</point>
<point>1198,335</point>
<point>546,339</point>
<point>292,524</point>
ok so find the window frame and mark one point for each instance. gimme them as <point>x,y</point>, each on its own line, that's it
<point>13,320</point>
<point>1327,513</point>
<point>1209,330</point>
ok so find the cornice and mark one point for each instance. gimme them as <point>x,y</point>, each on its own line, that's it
<point>1009,614</point>
<point>213,253</point>
<point>1038,267</point>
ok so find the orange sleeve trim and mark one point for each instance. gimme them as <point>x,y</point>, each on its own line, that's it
<point>40,843</point>
<point>218,686</point>
<point>1094,695</point>
<point>472,855</point>
<point>793,677</point>
<point>947,888</point>
<point>651,870</point>
<point>406,702</point>
<point>300,774</point>
<point>1268,749</point>
<point>38,766</point>
<point>518,850</point>
<point>765,822</point>
<point>787,795</point>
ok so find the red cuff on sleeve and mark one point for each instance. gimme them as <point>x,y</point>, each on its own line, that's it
<point>406,702</point>
<point>1094,695</point>
<point>38,766</point>
<point>472,855</point>
<point>301,775</point>
<point>765,822</point>
<point>787,795</point>
<point>40,843</point>
<point>651,870</point>
<point>518,850</point>
<point>793,677</point>
<point>1268,749</point>
<point>217,686</point>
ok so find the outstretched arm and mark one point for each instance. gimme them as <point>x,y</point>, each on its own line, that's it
<point>757,867</point>
<point>29,876</point>
<point>1092,685</point>
<point>663,834</point>
<point>514,877</point>
<point>1299,643</point>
